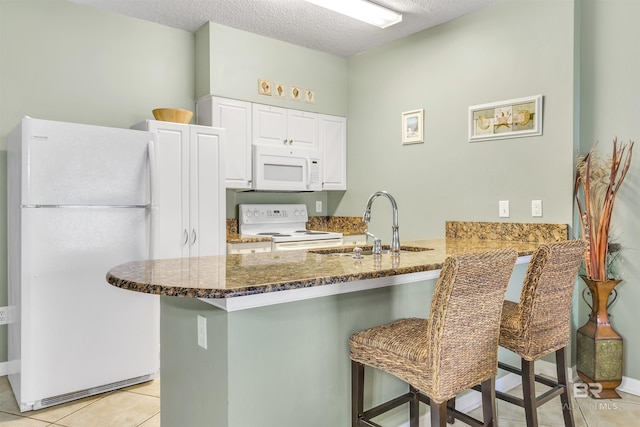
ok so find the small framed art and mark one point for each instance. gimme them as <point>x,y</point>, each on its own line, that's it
<point>412,127</point>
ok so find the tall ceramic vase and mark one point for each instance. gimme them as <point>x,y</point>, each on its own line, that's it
<point>599,347</point>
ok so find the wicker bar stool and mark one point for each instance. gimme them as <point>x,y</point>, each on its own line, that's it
<point>452,351</point>
<point>539,325</point>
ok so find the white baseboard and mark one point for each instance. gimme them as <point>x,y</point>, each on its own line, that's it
<point>473,400</point>
<point>630,385</point>
<point>548,369</point>
<point>4,368</point>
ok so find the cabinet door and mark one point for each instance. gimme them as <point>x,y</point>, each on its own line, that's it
<point>170,217</point>
<point>302,129</point>
<point>333,147</point>
<point>235,118</point>
<point>207,210</point>
<point>269,125</point>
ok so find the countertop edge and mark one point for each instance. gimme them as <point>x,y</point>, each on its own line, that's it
<point>279,293</point>
<point>300,294</point>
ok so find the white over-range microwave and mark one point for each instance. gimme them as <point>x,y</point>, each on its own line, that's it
<point>286,169</point>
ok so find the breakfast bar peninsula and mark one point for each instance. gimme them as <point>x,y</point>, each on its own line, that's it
<point>262,339</point>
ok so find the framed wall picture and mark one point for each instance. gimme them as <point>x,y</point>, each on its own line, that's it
<point>295,93</point>
<point>280,90</point>
<point>412,127</point>
<point>309,96</point>
<point>264,87</point>
<point>512,118</point>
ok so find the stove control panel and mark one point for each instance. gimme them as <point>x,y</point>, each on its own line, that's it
<point>272,213</point>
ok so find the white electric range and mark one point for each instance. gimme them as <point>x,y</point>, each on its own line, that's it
<point>286,225</point>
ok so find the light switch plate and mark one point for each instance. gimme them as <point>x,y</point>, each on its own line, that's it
<point>318,206</point>
<point>503,209</point>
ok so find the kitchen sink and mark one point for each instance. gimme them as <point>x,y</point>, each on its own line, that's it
<point>347,251</point>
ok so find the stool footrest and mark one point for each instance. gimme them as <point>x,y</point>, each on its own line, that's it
<point>387,406</point>
<point>514,370</point>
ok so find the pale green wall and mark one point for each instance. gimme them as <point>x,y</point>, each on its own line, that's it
<point>610,103</point>
<point>497,53</point>
<point>62,61</point>
<point>237,59</point>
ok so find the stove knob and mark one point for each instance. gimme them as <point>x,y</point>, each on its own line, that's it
<point>248,213</point>
<point>256,213</point>
<point>303,212</point>
<point>295,212</point>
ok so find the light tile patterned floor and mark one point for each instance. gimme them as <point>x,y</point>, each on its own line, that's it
<point>135,406</point>
<point>139,406</point>
<point>587,412</point>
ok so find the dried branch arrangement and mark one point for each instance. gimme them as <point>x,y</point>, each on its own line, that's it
<point>596,186</point>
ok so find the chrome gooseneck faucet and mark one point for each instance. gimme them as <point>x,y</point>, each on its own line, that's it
<point>366,217</point>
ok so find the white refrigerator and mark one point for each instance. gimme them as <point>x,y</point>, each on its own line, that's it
<point>79,202</point>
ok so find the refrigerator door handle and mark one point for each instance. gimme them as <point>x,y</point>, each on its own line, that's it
<point>193,236</point>
<point>152,172</point>
<point>186,237</point>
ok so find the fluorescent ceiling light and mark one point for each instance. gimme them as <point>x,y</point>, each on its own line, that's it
<point>362,10</point>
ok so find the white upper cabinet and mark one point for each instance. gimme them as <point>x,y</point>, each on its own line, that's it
<point>281,126</point>
<point>188,216</point>
<point>235,117</point>
<point>303,129</point>
<point>246,123</point>
<point>333,148</point>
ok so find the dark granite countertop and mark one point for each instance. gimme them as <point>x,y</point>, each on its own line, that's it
<point>228,276</point>
<point>247,274</point>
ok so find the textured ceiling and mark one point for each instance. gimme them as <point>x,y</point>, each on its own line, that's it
<point>295,21</point>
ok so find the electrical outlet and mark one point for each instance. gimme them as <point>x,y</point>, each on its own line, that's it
<point>318,206</point>
<point>4,315</point>
<point>503,209</point>
<point>202,331</point>
<point>536,208</point>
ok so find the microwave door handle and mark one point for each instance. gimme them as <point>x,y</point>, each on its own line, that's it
<point>308,172</point>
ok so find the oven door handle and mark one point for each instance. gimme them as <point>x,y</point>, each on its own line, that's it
<point>307,244</point>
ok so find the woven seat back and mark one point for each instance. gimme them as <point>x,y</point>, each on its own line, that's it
<point>545,300</point>
<point>464,323</point>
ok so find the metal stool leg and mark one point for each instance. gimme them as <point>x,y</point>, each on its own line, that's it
<point>561,367</point>
<point>451,404</point>
<point>438,414</point>
<point>357,393</point>
<point>489,405</point>
<point>529,393</point>
<point>414,408</point>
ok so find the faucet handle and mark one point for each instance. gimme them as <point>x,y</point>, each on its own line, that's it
<point>366,232</point>
<point>357,253</point>
<point>377,246</point>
